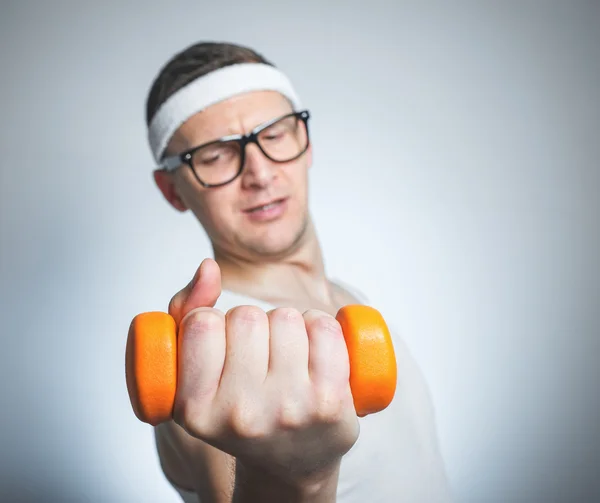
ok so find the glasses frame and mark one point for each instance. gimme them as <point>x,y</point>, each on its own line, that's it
<point>173,162</point>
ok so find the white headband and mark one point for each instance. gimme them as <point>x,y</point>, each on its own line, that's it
<point>212,88</point>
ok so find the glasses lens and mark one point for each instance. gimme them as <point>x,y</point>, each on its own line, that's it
<point>218,162</point>
<point>284,139</point>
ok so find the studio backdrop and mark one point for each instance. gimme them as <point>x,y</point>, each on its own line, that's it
<point>455,182</point>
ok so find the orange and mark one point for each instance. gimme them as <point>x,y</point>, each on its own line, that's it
<point>151,366</point>
<point>151,362</point>
<point>373,370</point>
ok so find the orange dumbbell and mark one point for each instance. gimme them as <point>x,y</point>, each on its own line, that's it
<point>151,362</point>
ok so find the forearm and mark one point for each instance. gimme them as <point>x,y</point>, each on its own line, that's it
<point>216,476</point>
<point>252,486</point>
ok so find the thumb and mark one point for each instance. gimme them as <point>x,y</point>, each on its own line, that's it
<point>203,291</point>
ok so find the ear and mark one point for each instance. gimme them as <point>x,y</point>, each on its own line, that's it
<point>165,183</point>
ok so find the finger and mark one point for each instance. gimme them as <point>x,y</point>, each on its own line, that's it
<point>202,291</point>
<point>201,356</point>
<point>328,363</point>
<point>288,347</point>
<point>247,352</point>
<point>329,370</point>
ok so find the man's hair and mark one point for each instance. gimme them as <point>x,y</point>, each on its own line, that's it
<point>193,62</point>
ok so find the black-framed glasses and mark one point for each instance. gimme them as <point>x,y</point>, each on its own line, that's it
<point>221,161</point>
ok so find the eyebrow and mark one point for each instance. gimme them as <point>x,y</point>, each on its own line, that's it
<point>230,132</point>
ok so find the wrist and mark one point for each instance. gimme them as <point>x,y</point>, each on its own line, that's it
<point>254,484</point>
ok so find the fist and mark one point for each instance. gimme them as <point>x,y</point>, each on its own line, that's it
<point>270,388</point>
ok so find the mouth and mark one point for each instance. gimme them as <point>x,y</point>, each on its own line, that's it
<point>266,206</point>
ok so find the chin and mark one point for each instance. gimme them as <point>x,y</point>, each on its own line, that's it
<point>280,248</point>
<point>278,243</point>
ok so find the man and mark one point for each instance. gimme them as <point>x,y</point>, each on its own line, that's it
<point>263,410</point>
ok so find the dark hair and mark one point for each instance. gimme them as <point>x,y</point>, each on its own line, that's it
<point>193,62</point>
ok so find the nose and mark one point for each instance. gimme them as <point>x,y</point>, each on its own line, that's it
<point>258,170</point>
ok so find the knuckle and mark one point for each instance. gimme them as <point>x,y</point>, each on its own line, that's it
<point>324,323</point>
<point>245,422</point>
<point>329,405</point>
<point>247,315</point>
<point>292,414</point>
<point>203,320</point>
<point>188,415</point>
<point>285,315</point>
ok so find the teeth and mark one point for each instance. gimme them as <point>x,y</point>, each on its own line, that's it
<point>266,207</point>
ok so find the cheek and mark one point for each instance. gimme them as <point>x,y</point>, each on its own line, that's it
<point>217,209</point>
<point>298,176</point>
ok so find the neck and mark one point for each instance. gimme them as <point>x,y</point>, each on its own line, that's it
<point>297,274</point>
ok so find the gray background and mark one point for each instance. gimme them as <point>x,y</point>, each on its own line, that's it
<point>456,182</point>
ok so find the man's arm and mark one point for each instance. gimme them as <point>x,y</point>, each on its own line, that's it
<point>195,466</point>
<point>286,420</point>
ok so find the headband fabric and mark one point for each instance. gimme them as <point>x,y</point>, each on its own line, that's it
<point>212,88</point>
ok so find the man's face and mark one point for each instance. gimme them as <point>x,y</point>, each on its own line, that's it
<point>224,211</point>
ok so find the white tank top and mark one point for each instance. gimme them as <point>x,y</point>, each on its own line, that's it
<point>396,457</point>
